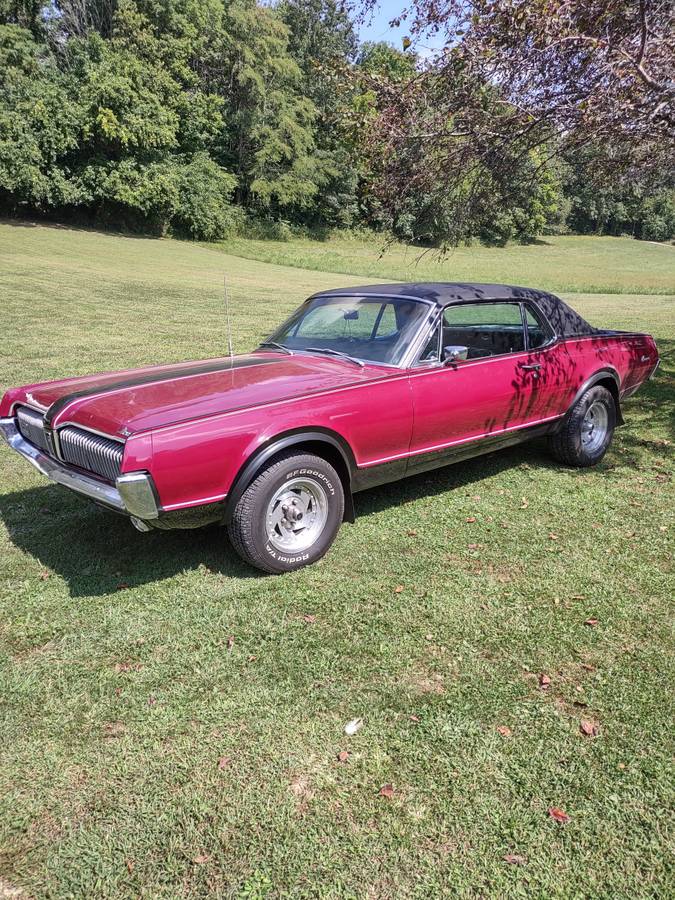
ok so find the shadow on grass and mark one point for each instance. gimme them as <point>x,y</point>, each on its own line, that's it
<point>96,552</point>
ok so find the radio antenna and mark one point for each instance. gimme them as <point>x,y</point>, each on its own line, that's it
<point>227,321</point>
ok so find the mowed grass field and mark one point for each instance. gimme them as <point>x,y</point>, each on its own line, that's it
<point>171,719</point>
<point>572,264</point>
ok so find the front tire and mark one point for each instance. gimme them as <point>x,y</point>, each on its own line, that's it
<point>289,514</point>
<point>587,431</point>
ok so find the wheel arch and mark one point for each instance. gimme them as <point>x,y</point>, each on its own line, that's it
<point>321,441</point>
<point>608,378</point>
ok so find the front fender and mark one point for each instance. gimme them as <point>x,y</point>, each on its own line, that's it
<point>315,440</point>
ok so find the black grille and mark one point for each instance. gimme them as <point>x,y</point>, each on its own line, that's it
<point>31,425</point>
<point>91,451</point>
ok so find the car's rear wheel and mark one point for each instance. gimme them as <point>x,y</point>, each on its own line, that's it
<point>289,514</point>
<point>587,431</point>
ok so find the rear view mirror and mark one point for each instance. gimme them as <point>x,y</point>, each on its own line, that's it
<point>350,314</point>
<point>455,353</point>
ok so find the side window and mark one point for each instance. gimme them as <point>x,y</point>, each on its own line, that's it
<point>431,350</point>
<point>486,329</point>
<point>538,332</point>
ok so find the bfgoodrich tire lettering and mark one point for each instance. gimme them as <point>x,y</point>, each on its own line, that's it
<point>289,515</point>
<point>587,430</point>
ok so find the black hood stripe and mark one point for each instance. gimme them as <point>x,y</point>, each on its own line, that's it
<point>153,378</point>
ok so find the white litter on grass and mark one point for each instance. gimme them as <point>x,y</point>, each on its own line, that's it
<point>353,726</point>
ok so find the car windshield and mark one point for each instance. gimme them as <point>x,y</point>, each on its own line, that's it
<point>373,329</point>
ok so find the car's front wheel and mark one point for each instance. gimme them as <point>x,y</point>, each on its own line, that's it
<point>289,514</point>
<point>587,430</point>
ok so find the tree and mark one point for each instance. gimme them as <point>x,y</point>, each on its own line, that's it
<point>268,135</point>
<point>322,41</point>
<point>104,128</point>
<point>517,76</point>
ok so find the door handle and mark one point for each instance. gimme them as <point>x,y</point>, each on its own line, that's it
<point>529,366</point>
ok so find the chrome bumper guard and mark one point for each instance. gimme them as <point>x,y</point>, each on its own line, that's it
<point>132,494</point>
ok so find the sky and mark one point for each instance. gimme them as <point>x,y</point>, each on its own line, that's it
<point>378,28</point>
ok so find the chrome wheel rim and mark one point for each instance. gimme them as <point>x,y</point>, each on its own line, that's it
<point>594,427</point>
<point>296,515</point>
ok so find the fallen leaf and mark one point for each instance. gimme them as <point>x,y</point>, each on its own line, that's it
<point>524,503</point>
<point>128,667</point>
<point>476,497</point>
<point>114,729</point>
<point>252,658</point>
<point>122,587</point>
<point>588,727</point>
<point>559,815</point>
<point>514,859</point>
<point>412,533</point>
<point>343,756</point>
<point>152,700</point>
<point>44,575</point>
<point>544,681</point>
<point>398,589</point>
<point>591,622</point>
<point>428,637</point>
<point>230,642</point>
<point>470,519</point>
<point>387,790</point>
<point>663,528</point>
<point>472,547</point>
<point>552,536</point>
<point>310,618</point>
<point>224,762</point>
<point>414,718</point>
<point>130,865</point>
<point>588,667</point>
<point>202,858</point>
<point>504,730</point>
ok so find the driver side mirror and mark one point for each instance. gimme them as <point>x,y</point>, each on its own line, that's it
<point>455,353</point>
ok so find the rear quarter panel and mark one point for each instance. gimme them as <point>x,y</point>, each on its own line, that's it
<point>566,366</point>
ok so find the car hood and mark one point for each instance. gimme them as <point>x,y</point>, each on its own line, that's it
<point>135,400</point>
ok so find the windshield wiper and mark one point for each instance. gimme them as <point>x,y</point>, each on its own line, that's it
<point>276,346</point>
<point>339,353</point>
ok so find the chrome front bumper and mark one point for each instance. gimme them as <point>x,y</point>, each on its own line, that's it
<point>132,494</point>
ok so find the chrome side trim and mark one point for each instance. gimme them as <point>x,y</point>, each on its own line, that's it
<point>432,448</point>
<point>83,484</point>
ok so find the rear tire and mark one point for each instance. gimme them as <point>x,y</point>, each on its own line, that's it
<point>587,430</point>
<point>289,514</point>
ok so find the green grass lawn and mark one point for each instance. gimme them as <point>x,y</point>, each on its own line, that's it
<point>577,264</point>
<point>170,719</point>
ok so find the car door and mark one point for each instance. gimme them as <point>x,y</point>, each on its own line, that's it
<point>551,369</point>
<point>490,393</point>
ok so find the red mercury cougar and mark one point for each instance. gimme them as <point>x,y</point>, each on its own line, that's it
<point>359,387</point>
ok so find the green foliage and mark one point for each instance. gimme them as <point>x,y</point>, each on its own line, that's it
<point>643,207</point>
<point>40,124</point>
<point>202,209</point>
<point>156,116</point>
<point>381,58</point>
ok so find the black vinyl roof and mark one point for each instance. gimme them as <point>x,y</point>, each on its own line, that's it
<point>565,321</point>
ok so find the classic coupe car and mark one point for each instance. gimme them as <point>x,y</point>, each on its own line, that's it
<point>359,387</point>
